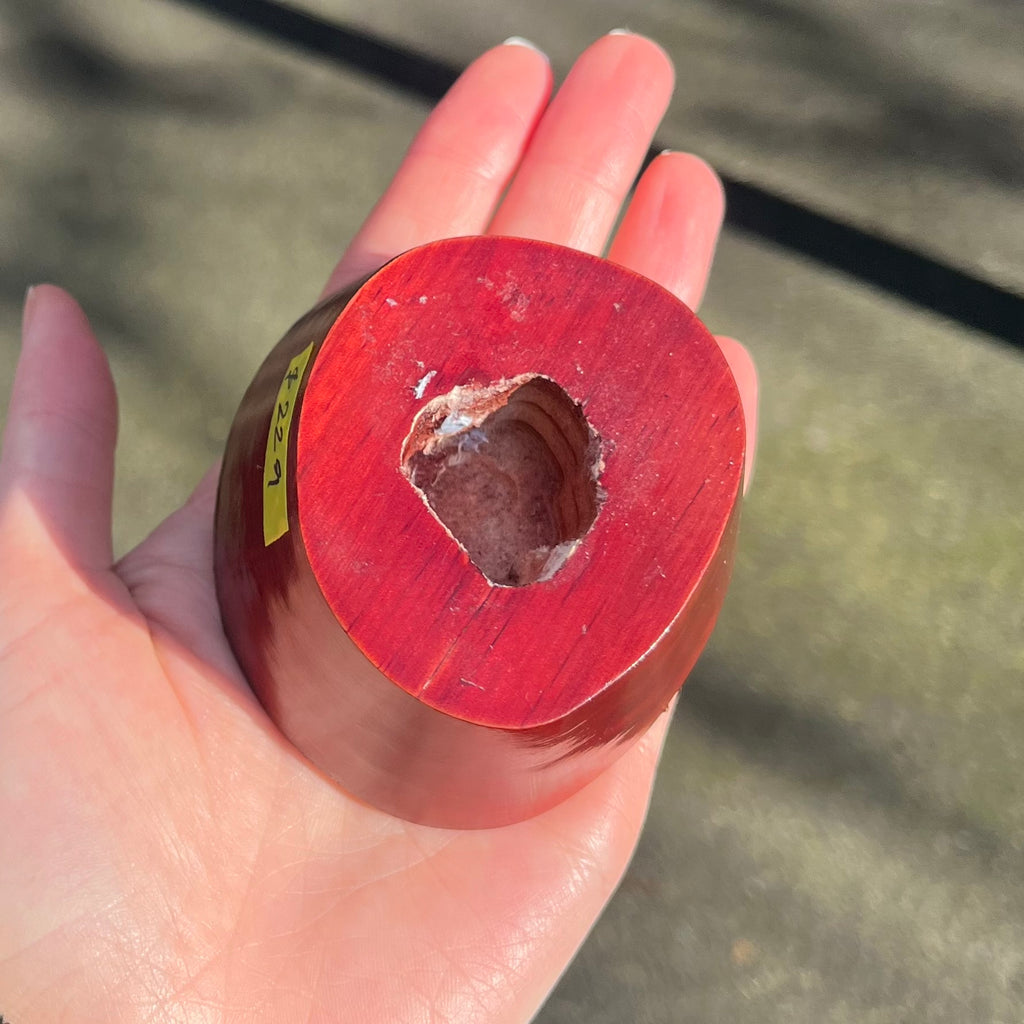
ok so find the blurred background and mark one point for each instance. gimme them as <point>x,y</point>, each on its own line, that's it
<point>838,829</point>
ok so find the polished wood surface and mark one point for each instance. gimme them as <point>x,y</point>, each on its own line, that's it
<point>376,644</point>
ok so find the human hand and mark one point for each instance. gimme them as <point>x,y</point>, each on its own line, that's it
<point>169,855</point>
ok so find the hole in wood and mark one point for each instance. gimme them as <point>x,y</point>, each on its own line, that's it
<point>511,470</point>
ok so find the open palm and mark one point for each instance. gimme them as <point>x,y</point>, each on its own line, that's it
<point>169,856</point>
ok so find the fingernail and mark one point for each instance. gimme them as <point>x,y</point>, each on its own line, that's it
<point>621,32</point>
<point>666,152</point>
<point>28,311</point>
<point>520,41</point>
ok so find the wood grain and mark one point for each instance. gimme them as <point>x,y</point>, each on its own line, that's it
<point>373,641</point>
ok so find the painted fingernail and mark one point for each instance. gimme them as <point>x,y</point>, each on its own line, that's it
<point>520,41</point>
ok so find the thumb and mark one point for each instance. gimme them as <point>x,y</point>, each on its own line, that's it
<point>58,446</point>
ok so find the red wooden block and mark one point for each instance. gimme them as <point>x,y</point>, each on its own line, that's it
<point>576,428</point>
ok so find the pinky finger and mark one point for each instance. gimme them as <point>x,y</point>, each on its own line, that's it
<point>745,372</point>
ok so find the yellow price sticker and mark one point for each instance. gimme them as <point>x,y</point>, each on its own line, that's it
<point>275,464</point>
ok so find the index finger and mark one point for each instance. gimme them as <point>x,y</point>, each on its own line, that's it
<point>459,163</point>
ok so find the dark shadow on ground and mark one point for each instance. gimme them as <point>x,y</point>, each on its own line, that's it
<point>826,754</point>
<point>926,282</point>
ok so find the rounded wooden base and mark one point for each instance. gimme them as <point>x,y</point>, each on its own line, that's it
<point>475,523</point>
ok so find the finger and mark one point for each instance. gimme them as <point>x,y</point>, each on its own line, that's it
<point>62,427</point>
<point>745,371</point>
<point>669,234</point>
<point>589,145</point>
<point>671,227</point>
<point>460,162</point>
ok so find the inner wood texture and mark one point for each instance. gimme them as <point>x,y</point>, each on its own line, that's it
<point>511,470</point>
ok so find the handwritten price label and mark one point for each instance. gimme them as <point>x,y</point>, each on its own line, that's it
<point>275,464</point>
